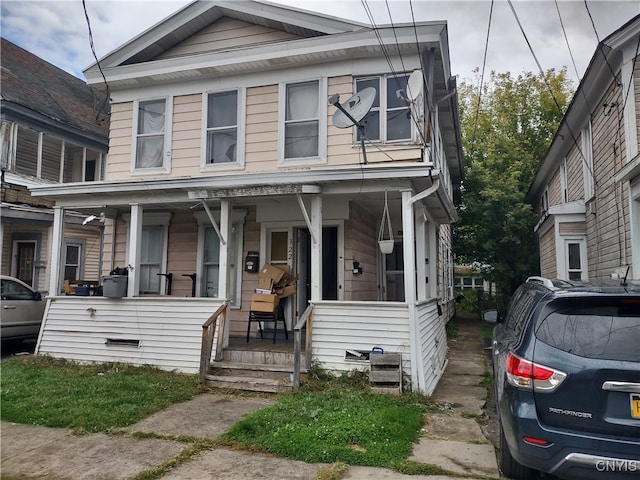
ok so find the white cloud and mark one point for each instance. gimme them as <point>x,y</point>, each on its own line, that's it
<point>56,30</point>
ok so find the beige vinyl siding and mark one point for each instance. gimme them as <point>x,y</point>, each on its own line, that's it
<point>186,135</point>
<point>572,228</point>
<point>608,229</point>
<point>227,34</point>
<point>548,264</point>
<point>360,244</point>
<point>169,330</point>
<point>262,129</point>
<point>340,148</point>
<point>119,161</point>
<point>108,245</point>
<point>181,259</point>
<point>575,179</point>
<point>251,243</point>
<point>91,254</point>
<point>51,155</point>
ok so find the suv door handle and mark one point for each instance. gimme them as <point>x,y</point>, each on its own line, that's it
<point>9,307</point>
<point>627,387</point>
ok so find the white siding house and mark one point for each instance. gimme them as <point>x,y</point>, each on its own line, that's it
<point>223,148</point>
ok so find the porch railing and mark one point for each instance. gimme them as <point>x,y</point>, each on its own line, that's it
<point>208,332</point>
<point>305,319</point>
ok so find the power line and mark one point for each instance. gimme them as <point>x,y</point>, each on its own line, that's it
<point>93,50</point>
<point>601,46</point>
<point>484,64</point>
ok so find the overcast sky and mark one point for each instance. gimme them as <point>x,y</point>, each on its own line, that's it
<point>57,30</point>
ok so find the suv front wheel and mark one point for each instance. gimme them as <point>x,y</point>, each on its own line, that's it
<point>508,465</point>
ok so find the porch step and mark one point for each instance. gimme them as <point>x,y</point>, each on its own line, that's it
<point>251,377</point>
<point>261,357</point>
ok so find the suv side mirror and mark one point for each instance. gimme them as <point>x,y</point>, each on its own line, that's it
<point>491,316</point>
<point>37,296</point>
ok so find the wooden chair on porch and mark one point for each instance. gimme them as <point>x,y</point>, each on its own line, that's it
<point>275,316</point>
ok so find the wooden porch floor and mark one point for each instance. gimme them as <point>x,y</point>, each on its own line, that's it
<point>263,344</point>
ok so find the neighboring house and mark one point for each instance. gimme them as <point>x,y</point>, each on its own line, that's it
<point>50,133</point>
<point>587,190</point>
<point>223,155</point>
<point>469,277</point>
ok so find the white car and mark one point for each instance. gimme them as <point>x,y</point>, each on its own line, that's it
<point>22,310</point>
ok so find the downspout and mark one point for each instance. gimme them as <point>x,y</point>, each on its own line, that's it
<point>417,370</point>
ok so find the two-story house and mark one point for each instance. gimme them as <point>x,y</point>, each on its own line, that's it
<point>587,190</point>
<point>226,152</point>
<point>51,132</point>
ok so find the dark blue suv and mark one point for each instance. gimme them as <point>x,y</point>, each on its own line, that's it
<point>566,362</point>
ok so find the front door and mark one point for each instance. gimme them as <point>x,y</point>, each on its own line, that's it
<point>25,261</point>
<point>330,283</point>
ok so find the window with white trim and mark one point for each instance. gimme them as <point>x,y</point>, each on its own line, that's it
<point>389,119</point>
<point>211,264</point>
<point>587,165</point>
<point>72,257</point>
<point>303,133</point>
<point>151,255</point>
<point>222,128</point>
<point>575,255</point>
<point>152,134</point>
<point>564,195</point>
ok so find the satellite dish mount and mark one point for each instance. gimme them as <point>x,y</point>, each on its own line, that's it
<point>353,111</point>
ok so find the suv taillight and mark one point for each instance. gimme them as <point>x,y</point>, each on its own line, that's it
<point>527,375</point>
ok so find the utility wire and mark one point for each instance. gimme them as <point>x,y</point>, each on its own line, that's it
<point>484,64</point>
<point>600,45</point>
<point>93,50</point>
<point>553,96</point>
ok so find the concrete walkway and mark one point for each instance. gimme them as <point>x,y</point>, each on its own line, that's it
<point>451,440</point>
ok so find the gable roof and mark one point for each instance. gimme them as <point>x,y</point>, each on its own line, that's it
<point>41,94</point>
<point>199,14</point>
<point>597,78</point>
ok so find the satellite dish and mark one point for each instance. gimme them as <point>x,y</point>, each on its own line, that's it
<point>357,106</point>
<point>415,85</point>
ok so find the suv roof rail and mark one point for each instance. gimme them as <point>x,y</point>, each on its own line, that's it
<point>545,282</point>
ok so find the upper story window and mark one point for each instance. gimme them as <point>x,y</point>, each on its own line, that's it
<point>587,153</point>
<point>389,119</point>
<point>223,129</point>
<point>564,193</point>
<point>152,134</point>
<point>303,134</point>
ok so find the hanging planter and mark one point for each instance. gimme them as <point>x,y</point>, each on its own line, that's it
<point>386,245</point>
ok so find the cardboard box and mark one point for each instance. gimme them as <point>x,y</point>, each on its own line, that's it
<point>263,302</point>
<point>272,272</point>
<point>265,283</point>
<point>286,291</point>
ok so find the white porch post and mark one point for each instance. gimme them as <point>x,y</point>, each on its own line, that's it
<point>316,248</point>
<point>225,233</point>
<point>408,251</point>
<point>133,260</point>
<point>57,239</point>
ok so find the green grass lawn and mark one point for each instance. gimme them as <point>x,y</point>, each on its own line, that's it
<point>330,420</point>
<point>338,425</point>
<point>41,390</point>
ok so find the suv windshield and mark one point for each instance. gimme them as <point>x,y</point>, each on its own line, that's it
<point>604,329</point>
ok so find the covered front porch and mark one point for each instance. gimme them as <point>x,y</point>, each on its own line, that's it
<point>185,244</point>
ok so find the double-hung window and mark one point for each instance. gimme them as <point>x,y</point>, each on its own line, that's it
<point>389,119</point>
<point>587,153</point>
<point>304,135</point>
<point>152,139</point>
<point>223,131</point>
<point>151,254</point>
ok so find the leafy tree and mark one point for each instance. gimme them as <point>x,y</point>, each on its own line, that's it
<point>506,131</point>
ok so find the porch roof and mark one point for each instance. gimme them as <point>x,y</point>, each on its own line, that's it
<point>244,187</point>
